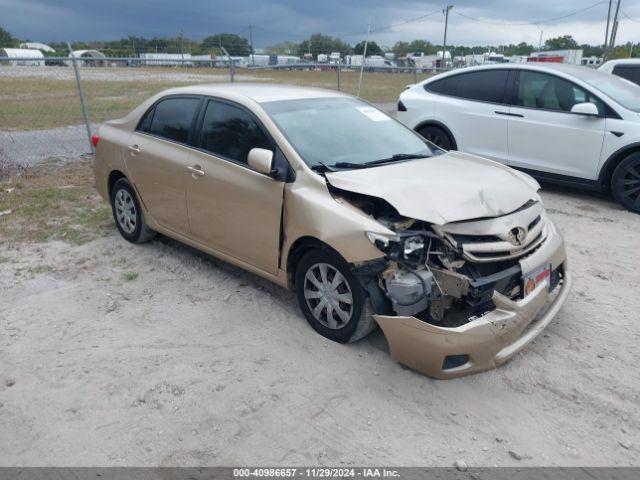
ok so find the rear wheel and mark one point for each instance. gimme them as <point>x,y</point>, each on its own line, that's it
<point>128,214</point>
<point>331,297</point>
<point>625,182</point>
<point>438,136</point>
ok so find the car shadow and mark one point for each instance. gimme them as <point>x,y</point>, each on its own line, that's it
<point>285,299</point>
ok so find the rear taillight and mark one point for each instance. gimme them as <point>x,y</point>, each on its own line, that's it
<point>94,140</point>
<point>401,107</point>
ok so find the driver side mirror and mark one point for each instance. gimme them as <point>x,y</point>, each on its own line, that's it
<point>261,160</point>
<point>586,108</point>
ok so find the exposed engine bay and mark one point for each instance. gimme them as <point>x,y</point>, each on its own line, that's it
<point>446,275</point>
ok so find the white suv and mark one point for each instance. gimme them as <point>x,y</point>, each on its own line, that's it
<point>561,123</point>
<point>627,68</point>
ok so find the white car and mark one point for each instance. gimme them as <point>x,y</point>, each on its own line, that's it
<point>628,68</point>
<point>560,123</point>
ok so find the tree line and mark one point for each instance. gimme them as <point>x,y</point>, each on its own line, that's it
<point>317,43</point>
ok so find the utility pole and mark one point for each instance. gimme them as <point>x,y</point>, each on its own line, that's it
<point>364,58</point>
<point>182,46</point>
<point>251,42</point>
<point>445,11</point>
<point>540,41</point>
<point>606,32</point>
<point>614,27</point>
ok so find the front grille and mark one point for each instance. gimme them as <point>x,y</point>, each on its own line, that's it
<point>497,244</point>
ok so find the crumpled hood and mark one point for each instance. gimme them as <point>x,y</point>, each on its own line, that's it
<point>446,188</point>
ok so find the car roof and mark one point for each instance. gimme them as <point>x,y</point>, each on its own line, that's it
<point>622,61</point>
<point>577,71</point>
<point>259,92</point>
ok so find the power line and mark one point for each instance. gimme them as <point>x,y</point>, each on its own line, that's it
<point>353,34</point>
<point>537,22</point>
<point>626,15</point>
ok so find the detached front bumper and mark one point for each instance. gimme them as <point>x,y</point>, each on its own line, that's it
<point>488,341</point>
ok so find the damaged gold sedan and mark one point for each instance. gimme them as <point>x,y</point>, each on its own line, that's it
<point>450,254</point>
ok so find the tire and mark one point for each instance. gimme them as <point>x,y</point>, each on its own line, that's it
<point>625,182</point>
<point>356,320</point>
<point>437,136</point>
<point>128,214</point>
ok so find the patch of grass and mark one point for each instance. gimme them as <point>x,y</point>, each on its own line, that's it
<point>4,259</point>
<point>52,202</point>
<point>31,272</point>
<point>33,103</point>
<point>129,276</point>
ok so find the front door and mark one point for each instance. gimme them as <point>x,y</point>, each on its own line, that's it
<point>157,158</point>
<point>232,208</point>
<point>543,133</point>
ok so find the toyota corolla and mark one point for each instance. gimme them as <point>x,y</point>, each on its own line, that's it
<point>452,255</point>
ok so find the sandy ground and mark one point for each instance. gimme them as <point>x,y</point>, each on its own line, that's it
<point>115,354</point>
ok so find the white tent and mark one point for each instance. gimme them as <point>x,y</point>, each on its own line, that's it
<point>22,56</point>
<point>89,58</point>
<point>37,46</point>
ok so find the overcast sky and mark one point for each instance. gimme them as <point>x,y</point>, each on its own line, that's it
<point>494,21</point>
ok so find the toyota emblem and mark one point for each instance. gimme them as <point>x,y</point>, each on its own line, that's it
<point>517,236</point>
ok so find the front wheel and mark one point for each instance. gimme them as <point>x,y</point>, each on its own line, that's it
<point>625,182</point>
<point>332,299</point>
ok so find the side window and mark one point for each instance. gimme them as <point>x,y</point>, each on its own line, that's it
<point>548,92</point>
<point>145,122</point>
<point>229,131</point>
<point>446,86</point>
<point>485,86</point>
<point>173,117</point>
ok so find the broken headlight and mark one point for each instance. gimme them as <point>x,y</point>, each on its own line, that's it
<point>399,247</point>
<point>412,247</point>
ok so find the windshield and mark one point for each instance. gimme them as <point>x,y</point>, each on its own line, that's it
<point>622,91</point>
<point>343,130</point>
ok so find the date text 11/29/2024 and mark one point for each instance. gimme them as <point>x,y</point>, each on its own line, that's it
<point>322,472</point>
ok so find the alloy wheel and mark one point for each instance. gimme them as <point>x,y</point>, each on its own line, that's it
<point>630,184</point>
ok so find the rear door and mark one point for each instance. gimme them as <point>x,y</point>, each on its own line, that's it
<point>474,107</point>
<point>232,208</point>
<point>157,158</point>
<point>543,133</point>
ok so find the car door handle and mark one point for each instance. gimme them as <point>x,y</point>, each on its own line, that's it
<point>196,171</point>
<point>134,149</point>
<point>498,112</point>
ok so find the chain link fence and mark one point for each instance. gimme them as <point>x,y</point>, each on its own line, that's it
<point>42,114</point>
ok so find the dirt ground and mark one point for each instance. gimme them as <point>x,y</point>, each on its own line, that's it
<point>113,354</point>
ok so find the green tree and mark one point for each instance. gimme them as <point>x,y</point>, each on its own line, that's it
<point>566,42</point>
<point>592,51</point>
<point>372,48</point>
<point>234,44</point>
<point>284,48</point>
<point>415,46</point>
<point>319,43</point>
<point>6,39</point>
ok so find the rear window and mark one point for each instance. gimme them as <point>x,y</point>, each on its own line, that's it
<point>483,86</point>
<point>172,118</point>
<point>446,86</point>
<point>628,72</point>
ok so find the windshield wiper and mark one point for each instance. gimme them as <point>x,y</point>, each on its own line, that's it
<point>397,157</point>
<point>349,165</point>
<point>322,168</point>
